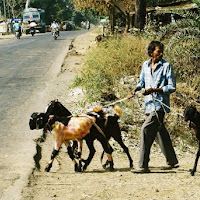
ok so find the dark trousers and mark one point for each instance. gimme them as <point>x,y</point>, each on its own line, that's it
<point>152,127</point>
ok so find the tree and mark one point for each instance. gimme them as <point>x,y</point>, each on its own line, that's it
<point>14,8</point>
<point>59,10</point>
<point>110,7</point>
<point>140,13</point>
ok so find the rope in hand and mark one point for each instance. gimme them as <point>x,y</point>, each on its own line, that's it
<point>155,99</point>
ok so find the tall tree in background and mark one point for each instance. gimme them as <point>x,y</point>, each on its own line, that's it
<point>13,8</point>
<point>59,10</point>
<point>140,13</point>
<point>124,7</point>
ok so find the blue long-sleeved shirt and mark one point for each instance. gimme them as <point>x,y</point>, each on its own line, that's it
<point>161,77</point>
<point>16,26</point>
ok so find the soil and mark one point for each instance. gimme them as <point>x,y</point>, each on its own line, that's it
<point>96,183</point>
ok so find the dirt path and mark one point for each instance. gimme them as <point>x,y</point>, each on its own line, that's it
<point>95,183</point>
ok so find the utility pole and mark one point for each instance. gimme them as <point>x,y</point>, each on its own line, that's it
<point>27,4</point>
<point>4,5</point>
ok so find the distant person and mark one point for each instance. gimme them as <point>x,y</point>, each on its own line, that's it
<point>55,26</point>
<point>157,78</point>
<point>64,27</point>
<point>87,24</point>
<point>32,24</point>
<point>17,27</point>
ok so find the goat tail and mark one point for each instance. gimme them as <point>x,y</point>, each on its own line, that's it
<point>118,111</point>
<point>102,156</point>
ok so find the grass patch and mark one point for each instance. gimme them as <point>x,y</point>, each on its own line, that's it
<point>115,58</point>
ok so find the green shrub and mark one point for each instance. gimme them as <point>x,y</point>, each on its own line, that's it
<point>112,60</point>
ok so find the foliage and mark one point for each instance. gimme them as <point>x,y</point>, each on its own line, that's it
<point>105,7</point>
<point>59,10</point>
<point>181,38</point>
<point>120,57</point>
<point>161,2</point>
<point>197,2</point>
<point>14,8</point>
<point>115,58</point>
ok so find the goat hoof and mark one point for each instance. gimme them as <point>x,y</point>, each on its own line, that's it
<point>79,169</point>
<point>84,167</point>
<point>131,165</point>
<point>48,167</point>
<point>76,167</point>
<point>105,165</point>
<point>192,173</point>
<point>111,168</point>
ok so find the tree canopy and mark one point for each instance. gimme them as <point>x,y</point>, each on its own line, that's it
<point>80,10</point>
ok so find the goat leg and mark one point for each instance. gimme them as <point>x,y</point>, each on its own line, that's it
<point>50,163</point>
<point>92,151</point>
<point>110,162</point>
<point>105,165</point>
<point>196,161</point>
<point>111,168</point>
<point>80,144</point>
<point>125,148</point>
<point>71,155</point>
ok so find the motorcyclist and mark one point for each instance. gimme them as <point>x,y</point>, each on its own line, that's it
<point>17,27</point>
<point>32,25</point>
<point>55,26</point>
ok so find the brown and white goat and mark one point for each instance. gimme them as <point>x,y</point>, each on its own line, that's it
<point>77,128</point>
<point>63,134</point>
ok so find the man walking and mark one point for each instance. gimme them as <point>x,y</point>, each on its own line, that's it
<point>157,78</point>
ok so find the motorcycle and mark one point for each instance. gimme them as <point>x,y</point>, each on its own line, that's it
<point>55,34</point>
<point>32,31</point>
<point>17,34</point>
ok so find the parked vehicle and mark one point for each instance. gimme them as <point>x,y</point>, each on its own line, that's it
<point>68,25</point>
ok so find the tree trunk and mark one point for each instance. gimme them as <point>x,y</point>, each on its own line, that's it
<point>140,13</point>
<point>128,21</point>
<point>112,19</point>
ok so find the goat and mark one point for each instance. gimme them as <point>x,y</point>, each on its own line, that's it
<point>77,128</point>
<point>99,38</point>
<point>42,121</point>
<point>110,127</point>
<point>191,114</point>
<point>39,121</point>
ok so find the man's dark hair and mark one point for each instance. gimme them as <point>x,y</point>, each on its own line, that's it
<point>153,45</point>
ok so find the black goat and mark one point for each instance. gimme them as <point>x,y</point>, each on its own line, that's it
<point>191,114</point>
<point>109,125</point>
<point>41,120</point>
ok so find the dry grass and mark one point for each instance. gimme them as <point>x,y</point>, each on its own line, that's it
<point>114,59</point>
<point>119,57</point>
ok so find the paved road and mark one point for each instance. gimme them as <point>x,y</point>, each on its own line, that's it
<point>26,67</point>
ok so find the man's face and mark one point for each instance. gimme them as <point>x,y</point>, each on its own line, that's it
<point>157,54</point>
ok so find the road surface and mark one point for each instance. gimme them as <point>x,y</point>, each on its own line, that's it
<point>26,68</point>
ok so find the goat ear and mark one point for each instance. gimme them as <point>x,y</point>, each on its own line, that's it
<point>97,109</point>
<point>118,111</point>
<point>35,114</point>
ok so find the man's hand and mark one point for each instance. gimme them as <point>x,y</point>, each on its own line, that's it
<point>148,91</point>
<point>132,93</point>
<point>151,90</point>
